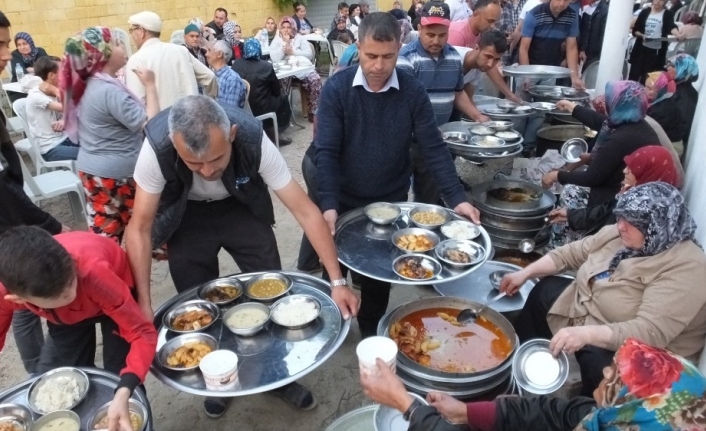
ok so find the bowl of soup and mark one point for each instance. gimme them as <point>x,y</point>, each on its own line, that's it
<point>60,420</point>
<point>382,212</point>
<point>268,287</point>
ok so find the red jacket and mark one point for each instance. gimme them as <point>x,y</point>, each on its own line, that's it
<point>104,288</point>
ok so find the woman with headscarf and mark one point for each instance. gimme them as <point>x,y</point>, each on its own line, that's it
<point>233,34</point>
<point>646,165</point>
<point>266,93</point>
<point>684,70</point>
<point>271,29</point>
<point>638,278</point>
<point>109,128</point>
<point>660,89</point>
<point>340,29</point>
<point>621,132</point>
<point>642,388</point>
<point>290,46</point>
<point>24,56</point>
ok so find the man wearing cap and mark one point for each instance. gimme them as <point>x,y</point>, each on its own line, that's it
<point>439,67</point>
<point>361,159</point>
<point>220,17</point>
<point>177,73</point>
<point>192,42</point>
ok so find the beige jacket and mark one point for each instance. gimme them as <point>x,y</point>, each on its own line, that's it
<point>177,73</point>
<point>660,300</point>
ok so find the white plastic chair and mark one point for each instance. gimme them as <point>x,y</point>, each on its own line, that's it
<point>590,75</point>
<point>271,115</point>
<point>56,183</point>
<point>41,165</point>
<point>123,38</point>
<point>338,48</point>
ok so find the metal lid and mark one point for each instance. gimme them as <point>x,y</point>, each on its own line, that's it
<point>389,419</point>
<point>537,371</point>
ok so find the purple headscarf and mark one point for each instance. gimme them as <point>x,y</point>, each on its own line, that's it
<point>28,59</point>
<point>626,102</point>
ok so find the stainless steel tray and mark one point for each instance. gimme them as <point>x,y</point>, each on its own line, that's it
<point>478,194</point>
<point>477,287</point>
<point>547,92</point>
<point>367,248</point>
<point>101,391</point>
<point>536,71</point>
<point>274,357</point>
<point>362,419</point>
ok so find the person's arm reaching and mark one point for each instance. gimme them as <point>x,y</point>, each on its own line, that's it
<point>147,79</point>
<point>132,81</point>
<point>497,78</point>
<point>464,104</point>
<point>572,59</point>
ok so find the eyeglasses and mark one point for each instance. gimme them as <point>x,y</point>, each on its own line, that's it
<point>133,29</point>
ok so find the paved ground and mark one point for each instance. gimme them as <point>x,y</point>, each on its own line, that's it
<point>335,383</point>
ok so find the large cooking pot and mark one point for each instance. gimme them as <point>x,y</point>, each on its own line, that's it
<point>511,234</point>
<point>428,374</point>
<point>500,221</point>
<point>516,257</point>
<point>553,137</point>
<point>485,202</point>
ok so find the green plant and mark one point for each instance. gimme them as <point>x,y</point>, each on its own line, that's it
<point>287,4</point>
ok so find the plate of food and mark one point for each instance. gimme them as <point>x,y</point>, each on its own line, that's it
<point>268,287</point>
<point>296,311</point>
<point>459,253</point>
<point>247,319</point>
<point>481,130</point>
<point>15,417</point>
<point>184,353</point>
<point>458,229</point>
<point>59,389</point>
<point>191,316</point>
<point>138,416</point>
<point>415,240</point>
<point>222,291</point>
<point>428,216</point>
<point>416,267</point>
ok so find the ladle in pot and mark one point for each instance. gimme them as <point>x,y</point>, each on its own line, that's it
<point>527,245</point>
<point>470,315</point>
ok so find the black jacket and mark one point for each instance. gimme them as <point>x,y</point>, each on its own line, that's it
<point>605,172</point>
<point>299,23</point>
<point>333,34</point>
<point>219,31</point>
<point>17,59</point>
<point>686,97</point>
<point>265,89</point>
<point>668,115</point>
<point>593,29</point>
<point>667,27</point>
<point>241,177</point>
<point>517,413</point>
<point>591,219</point>
<point>15,207</point>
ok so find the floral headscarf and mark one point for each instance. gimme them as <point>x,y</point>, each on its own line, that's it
<point>85,55</point>
<point>28,59</point>
<point>229,33</point>
<point>291,22</point>
<point>686,68</point>
<point>659,212</point>
<point>663,84</point>
<point>649,389</point>
<point>652,163</point>
<point>252,49</point>
<point>626,102</point>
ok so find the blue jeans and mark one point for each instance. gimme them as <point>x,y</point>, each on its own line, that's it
<point>66,150</point>
<point>27,329</point>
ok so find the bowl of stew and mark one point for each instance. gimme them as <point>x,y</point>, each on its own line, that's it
<point>268,287</point>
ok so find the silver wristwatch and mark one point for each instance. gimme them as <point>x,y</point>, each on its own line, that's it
<point>339,282</point>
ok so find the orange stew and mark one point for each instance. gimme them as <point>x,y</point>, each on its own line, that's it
<point>434,338</point>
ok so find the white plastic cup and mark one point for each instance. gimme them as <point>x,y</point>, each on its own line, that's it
<point>220,370</point>
<point>373,348</point>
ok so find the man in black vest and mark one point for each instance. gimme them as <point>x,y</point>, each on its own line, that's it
<point>202,185</point>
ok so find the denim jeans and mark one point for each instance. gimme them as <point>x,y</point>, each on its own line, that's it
<point>66,150</point>
<point>27,329</point>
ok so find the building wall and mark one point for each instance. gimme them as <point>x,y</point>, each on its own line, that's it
<point>51,22</point>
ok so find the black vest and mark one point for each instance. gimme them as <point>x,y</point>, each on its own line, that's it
<point>241,177</point>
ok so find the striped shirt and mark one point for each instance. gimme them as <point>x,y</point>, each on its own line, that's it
<point>442,77</point>
<point>231,87</point>
<point>548,33</point>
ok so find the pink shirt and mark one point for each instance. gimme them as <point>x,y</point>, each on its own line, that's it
<point>460,34</point>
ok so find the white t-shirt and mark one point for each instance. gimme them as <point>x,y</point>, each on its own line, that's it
<point>40,119</point>
<point>531,4</point>
<point>459,9</point>
<point>653,30</point>
<point>473,76</point>
<point>273,169</point>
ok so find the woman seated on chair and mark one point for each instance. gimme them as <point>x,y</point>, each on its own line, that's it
<point>692,28</point>
<point>24,56</point>
<point>663,109</point>
<point>266,93</point>
<point>109,128</point>
<point>642,388</point>
<point>290,46</point>
<point>233,34</point>
<point>340,29</point>
<point>684,70</point>
<point>641,278</point>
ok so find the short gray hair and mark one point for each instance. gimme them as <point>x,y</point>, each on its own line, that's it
<point>192,117</point>
<point>224,48</point>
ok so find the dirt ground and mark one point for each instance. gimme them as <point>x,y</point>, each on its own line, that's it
<point>335,383</point>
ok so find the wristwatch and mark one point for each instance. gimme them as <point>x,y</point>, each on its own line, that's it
<point>416,403</point>
<point>339,282</point>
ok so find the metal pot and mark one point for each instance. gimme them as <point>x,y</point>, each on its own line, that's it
<point>517,235</point>
<point>553,137</point>
<point>483,202</point>
<point>504,222</point>
<point>516,257</point>
<point>421,372</point>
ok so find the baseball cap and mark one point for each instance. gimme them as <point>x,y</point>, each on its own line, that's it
<point>147,20</point>
<point>435,12</point>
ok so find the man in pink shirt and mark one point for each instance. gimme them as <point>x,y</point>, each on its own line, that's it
<point>466,34</point>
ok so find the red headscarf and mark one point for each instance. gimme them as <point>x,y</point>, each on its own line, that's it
<point>652,163</point>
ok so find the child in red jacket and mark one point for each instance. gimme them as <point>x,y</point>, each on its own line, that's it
<point>77,280</point>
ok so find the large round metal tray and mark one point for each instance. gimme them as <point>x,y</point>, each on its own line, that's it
<point>476,287</point>
<point>421,372</point>
<point>536,71</point>
<point>478,194</point>
<point>473,152</point>
<point>367,248</point>
<point>361,419</point>
<point>540,92</point>
<point>274,357</point>
<point>101,390</point>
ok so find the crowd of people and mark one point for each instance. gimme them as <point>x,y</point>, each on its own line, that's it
<point>175,168</point>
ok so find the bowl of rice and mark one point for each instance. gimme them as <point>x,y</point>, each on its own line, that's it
<point>59,389</point>
<point>461,230</point>
<point>296,311</point>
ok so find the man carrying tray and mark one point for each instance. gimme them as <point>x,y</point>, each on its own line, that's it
<point>202,184</point>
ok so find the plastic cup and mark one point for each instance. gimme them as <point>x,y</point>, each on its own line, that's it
<point>220,370</point>
<point>373,348</point>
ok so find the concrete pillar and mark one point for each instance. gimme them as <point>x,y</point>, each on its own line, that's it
<point>615,43</point>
